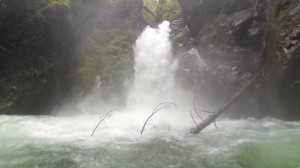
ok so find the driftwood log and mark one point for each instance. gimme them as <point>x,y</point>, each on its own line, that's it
<point>212,118</point>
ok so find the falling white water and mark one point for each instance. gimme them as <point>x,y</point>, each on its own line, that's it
<point>154,68</point>
<point>154,83</point>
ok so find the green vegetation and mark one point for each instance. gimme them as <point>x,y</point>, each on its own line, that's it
<point>282,50</point>
<point>150,4</point>
<point>163,9</point>
<point>280,22</point>
<point>149,11</point>
<point>36,52</point>
<point>41,7</point>
<point>107,50</point>
<point>283,9</point>
<point>168,9</point>
<point>2,6</point>
<point>56,3</point>
<point>107,53</point>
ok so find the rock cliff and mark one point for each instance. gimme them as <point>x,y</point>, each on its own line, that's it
<point>231,40</point>
<point>55,50</point>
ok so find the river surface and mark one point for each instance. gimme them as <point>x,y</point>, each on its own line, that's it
<point>60,142</point>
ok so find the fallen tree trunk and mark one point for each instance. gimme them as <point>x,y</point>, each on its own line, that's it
<point>214,116</point>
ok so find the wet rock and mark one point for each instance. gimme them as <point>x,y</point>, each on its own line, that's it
<point>52,50</point>
<point>199,12</point>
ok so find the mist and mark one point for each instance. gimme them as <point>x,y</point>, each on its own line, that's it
<point>149,83</point>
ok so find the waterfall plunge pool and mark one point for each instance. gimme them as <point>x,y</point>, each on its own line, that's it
<point>49,142</point>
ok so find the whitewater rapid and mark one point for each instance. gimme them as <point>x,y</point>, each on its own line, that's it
<point>50,142</point>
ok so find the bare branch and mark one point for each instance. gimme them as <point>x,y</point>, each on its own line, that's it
<point>193,117</point>
<point>215,124</point>
<point>107,115</point>
<point>157,109</point>
<point>164,103</point>
<point>196,110</point>
<point>205,111</point>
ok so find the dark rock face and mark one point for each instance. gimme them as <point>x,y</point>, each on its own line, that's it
<point>283,52</point>
<point>36,48</point>
<point>233,39</point>
<point>226,46</point>
<point>54,50</point>
<point>106,32</point>
<point>198,12</point>
<point>51,51</point>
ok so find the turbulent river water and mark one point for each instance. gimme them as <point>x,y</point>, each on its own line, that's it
<point>29,142</point>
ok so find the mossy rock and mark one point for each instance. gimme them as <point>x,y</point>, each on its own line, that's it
<point>53,47</point>
<point>282,52</point>
<point>107,53</point>
<point>2,6</point>
<point>36,55</point>
<point>40,9</point>
<point>284,22</point>
<point>107,48</point>
<point>56,3</point>
<point>161,10</point>
<point>283,8</point>
<point>168,10</point>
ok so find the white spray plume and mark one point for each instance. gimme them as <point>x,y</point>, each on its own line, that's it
<point>154,68</point>
<point>154,83</point>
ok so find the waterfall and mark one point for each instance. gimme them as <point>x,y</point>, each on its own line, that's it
<point>154,68</point>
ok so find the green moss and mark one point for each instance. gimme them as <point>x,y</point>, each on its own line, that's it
<point>168,9</point>
<point>56,3</point>
<point>108,49</point>
<point>149,11</point>
<point>37,16</point>
<point>2,6</point>
<point>151,5</point>
<point>107,53</point>
<point>41,7</point>
<point>282,11</point>
<point>163,9</point>
<point>280,21</point>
